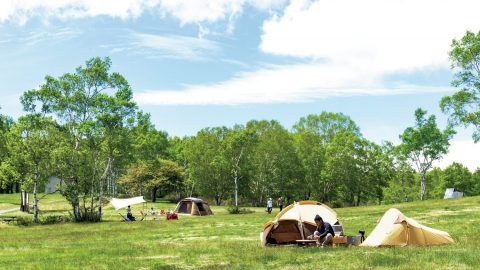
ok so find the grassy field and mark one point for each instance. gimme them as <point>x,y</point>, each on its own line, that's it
<point>225,241</point>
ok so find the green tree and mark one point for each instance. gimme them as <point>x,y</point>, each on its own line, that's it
<point>424,143</point>
<point>82,104</point>
<point>326,125</point>
<point>377,170</point>
<point>274,167</point>
<point>34,138</point>
<point>8,174</point>
<point>316,145</point>
<point>311,153</point>
<point>208,166</point>
<point>342,169</point>
<point>159,176</point>
<point>435,178</point>
<point>459,177</point>
<point>476,182</point>
<point>235,145</point>
<point>464,105</point>
<point>402,186</point>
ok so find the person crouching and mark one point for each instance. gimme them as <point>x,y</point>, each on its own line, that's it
<point>324,233</point>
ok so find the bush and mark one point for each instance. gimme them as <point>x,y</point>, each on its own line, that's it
<point>24,220</point>
<point>54,219</point>
<point>236,210</point>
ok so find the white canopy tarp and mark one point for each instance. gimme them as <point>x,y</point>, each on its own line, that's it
<point>121,203</point>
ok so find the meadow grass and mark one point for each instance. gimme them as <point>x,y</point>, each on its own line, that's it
<point>225,241</point>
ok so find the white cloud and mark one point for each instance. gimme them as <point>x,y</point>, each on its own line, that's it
<point>202,10</point>
<point>174,46</point>
<point>186,11</point>
<point>464,152</point>
<point>21,11</point>
<point>377,35</point>
<point>353,46</point>
<point>279,84</point>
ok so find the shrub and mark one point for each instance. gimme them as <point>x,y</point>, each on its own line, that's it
<point>24,220</point>
<point>236,210</point>
<point>54,219</point>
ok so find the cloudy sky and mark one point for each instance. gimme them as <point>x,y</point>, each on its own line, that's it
<point>202,63</point>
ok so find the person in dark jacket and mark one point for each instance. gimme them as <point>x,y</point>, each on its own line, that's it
<point>324,233</point>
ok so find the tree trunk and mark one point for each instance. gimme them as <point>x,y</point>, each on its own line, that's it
<point>100,195</point>
<point>35,199</point>
<point>236,191</point>
<point>92,190</point>
<point>422,183</point>
<point>76,201</point>
<point>154,194</point>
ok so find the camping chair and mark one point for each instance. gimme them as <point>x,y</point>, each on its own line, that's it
<point>125,218</point>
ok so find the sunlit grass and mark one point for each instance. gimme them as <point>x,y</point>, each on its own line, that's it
<point>225,241</point>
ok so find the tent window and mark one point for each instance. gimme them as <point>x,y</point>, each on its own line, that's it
<point>185,207</point>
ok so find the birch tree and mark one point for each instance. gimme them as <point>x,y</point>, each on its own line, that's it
<point>89,101</point>
<point>424,143</point>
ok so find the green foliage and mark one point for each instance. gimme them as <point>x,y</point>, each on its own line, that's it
<point>424,143</point>
<point>208,165</point>
<point>275,169</point>
<point>54,219</point>
<point>463,106</point>
<point>237,210</point>
<point>24,221</point>
<point>93,108</point>
<point>159,176</point>
<point>459,177</point>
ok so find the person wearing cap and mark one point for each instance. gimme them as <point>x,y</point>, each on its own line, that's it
<point>324,233</point>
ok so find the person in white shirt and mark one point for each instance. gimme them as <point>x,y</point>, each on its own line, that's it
<point>269,205</point>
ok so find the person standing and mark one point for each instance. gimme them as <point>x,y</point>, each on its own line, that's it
<point>280,203</point>
<point>269,205</point>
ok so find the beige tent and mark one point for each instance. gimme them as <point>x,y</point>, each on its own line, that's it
<point>296,222</point>
<point>395,229</point>
<point>193,206</point>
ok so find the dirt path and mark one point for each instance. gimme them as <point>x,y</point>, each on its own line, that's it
<point>8,210</point>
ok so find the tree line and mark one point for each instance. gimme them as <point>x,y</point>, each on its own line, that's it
<point>85,128</point>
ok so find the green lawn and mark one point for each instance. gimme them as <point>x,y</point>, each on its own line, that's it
<point>225,241</point>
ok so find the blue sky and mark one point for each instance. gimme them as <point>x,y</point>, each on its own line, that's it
<point>200,63</point>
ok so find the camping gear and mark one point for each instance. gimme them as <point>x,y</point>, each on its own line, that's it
<point>395,229</point>
<point>172,216</point>
<point>194,207</point>
<point>296,222</point>
<point>354,240</point>
<point>340,240</point>
<point>121,203</point>
<point>450,193</point>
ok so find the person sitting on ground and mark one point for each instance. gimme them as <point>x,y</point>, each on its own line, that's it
<point>151,211</point>
<point>324,233</point>
<point>129,214</point>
